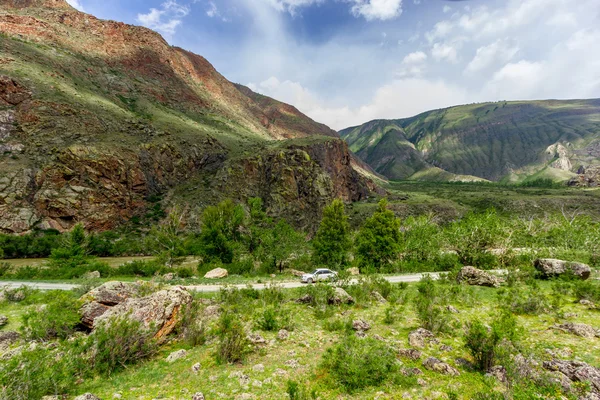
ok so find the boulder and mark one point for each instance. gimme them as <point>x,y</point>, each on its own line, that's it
<point>3,320</point>
<point>360,325</point>
<point>498,372</point>
<point>176,355</point>
<point>306,299</point>
<point>340,296</point>
<point>433,364</point>
<point>91,275</point>
<point>198,396</point>
<point>158,311</point>
<point>255,338</point>
<point>582,330</point>
<point>217,273</point>
<point>452,309</point>
<point>101,299</point>
<point>420,337</point>
<point>258,368</point>
<point>411,371</point>
<point>576,371</point>
<point>196,368</point>
<point>378,297</point>
<point>9,337</point>
<point>550,267</point>
<point>294,364</point>
<point>353,271</point>
<point>477,277</point>
<point>168,277</point>
<point>296,272</point>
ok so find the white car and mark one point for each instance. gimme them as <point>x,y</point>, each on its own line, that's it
<point>320,274</point>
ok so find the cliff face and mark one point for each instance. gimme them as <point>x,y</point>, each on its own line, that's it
<point>96,116</point>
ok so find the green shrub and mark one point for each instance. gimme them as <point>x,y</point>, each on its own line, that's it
<point>586,290</point>
<point>232,342</point>
<point>359,363</point>
<point>483,342</point>
<point>273,319</point>
<point>117,343</point>
<point>430,304</point>
<point>297,392</point>
<point>192,326</point>
<point>336,324</point>
<point>524,300</point>
<point>55,320</point>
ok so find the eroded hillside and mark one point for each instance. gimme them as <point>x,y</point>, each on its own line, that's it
<point>97,116</point>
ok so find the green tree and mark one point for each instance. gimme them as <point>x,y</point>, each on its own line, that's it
<point>221,227</point>
<point>332,241</point>
<point>73,249</point>
<point>279,244</point>
<point>378,241</point>
<point>167,238</point>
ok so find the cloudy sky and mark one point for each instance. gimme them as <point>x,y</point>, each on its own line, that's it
<point>345,62</point>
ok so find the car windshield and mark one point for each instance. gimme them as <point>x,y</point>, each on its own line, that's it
<point>314,272</point>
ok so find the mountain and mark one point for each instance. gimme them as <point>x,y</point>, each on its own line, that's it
<point>99,118</point>
<point>510,141</point>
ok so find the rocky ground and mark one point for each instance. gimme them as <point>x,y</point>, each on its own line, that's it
<point>555,357</point>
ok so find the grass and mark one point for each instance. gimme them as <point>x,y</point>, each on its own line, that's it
<point>158,379</point>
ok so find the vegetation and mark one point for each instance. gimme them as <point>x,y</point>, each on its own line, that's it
<point>332,241</point>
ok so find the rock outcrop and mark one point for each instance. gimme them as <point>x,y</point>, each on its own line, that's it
<point>158,311</point>
<point>420,337</point>
<point>587,177</point>
<point>340,296</point>
<point>577,371</point>
<point>436,365</point>
<point>550,268</point>
<point>477,277</point>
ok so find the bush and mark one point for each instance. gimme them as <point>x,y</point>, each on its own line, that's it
<point>586,290</point>
<point>359,363</point>
<point>192,327</point>
<point>298,392</point>
<point>118,342</point>
<point>332,240</point>
<point>522,300</point>
<point>338,325</point>
<point>55,320</point>
<point>233,344</point>
<point>430,304</point>
<point>273,319</point>
<point>482,342</point>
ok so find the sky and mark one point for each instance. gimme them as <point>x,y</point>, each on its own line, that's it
<point>346,62</point>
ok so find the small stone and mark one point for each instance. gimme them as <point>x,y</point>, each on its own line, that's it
<point>258,368</point>
<point>213,378</point>
<point>433,364</point>
<point>292,364</point>
<point>176,355</point>
<point>268,381</point>
<point>498,372</point>
<point>587,303</point>
<point>360,325</point>
<point>411,354</point>
<point>353,271</point>
<point>420,337</point>
<point>255,338</point>
<point>446,348</point>
<point>3,320</point>
<point>91,275</point>
<point>412,371</point>
<point>196,368</point>
<point>257,383</point>
<point>280,372</point>
<point>421,382</point>
<point>244,380</point>
<point>87,396</point>
<point>378,297</point>
<point>244,396</point>
<point>452,309</point>
<point>283,334</point>
<point>117,396</point>
<point>168,277</point>
<point>198,396</point>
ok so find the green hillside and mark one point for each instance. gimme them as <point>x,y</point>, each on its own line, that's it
<point>494,141</point>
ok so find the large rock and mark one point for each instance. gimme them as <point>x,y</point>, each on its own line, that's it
<point>550,268</point>
<point>577,371</point>
<point>477,277</point>
<point>103,298</point>
<point>216,273</point>
<point>360,325</point>
<point>340,296</point>
<point>158,311</point>
<point>582,330</point>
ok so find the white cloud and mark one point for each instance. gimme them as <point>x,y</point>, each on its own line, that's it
<point>499,51</point>
<point>377,9</point>
<point>447,9</point>
<point>413,65</point>
<point>76,4</point>
<point>445,51</point>
<point>166,19</point>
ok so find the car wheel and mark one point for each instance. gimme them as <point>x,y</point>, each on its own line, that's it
<point>309,281</point>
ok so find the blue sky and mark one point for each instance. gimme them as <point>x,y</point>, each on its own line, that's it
<point>345,62</point>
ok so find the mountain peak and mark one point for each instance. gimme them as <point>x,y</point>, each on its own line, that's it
<point>35,3</point>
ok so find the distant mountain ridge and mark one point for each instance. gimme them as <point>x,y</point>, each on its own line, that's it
<point>99,118</point>
<point>501,141</point>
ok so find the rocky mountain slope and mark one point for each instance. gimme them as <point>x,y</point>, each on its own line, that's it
<point>510,141</point>
<point>96,117</point>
